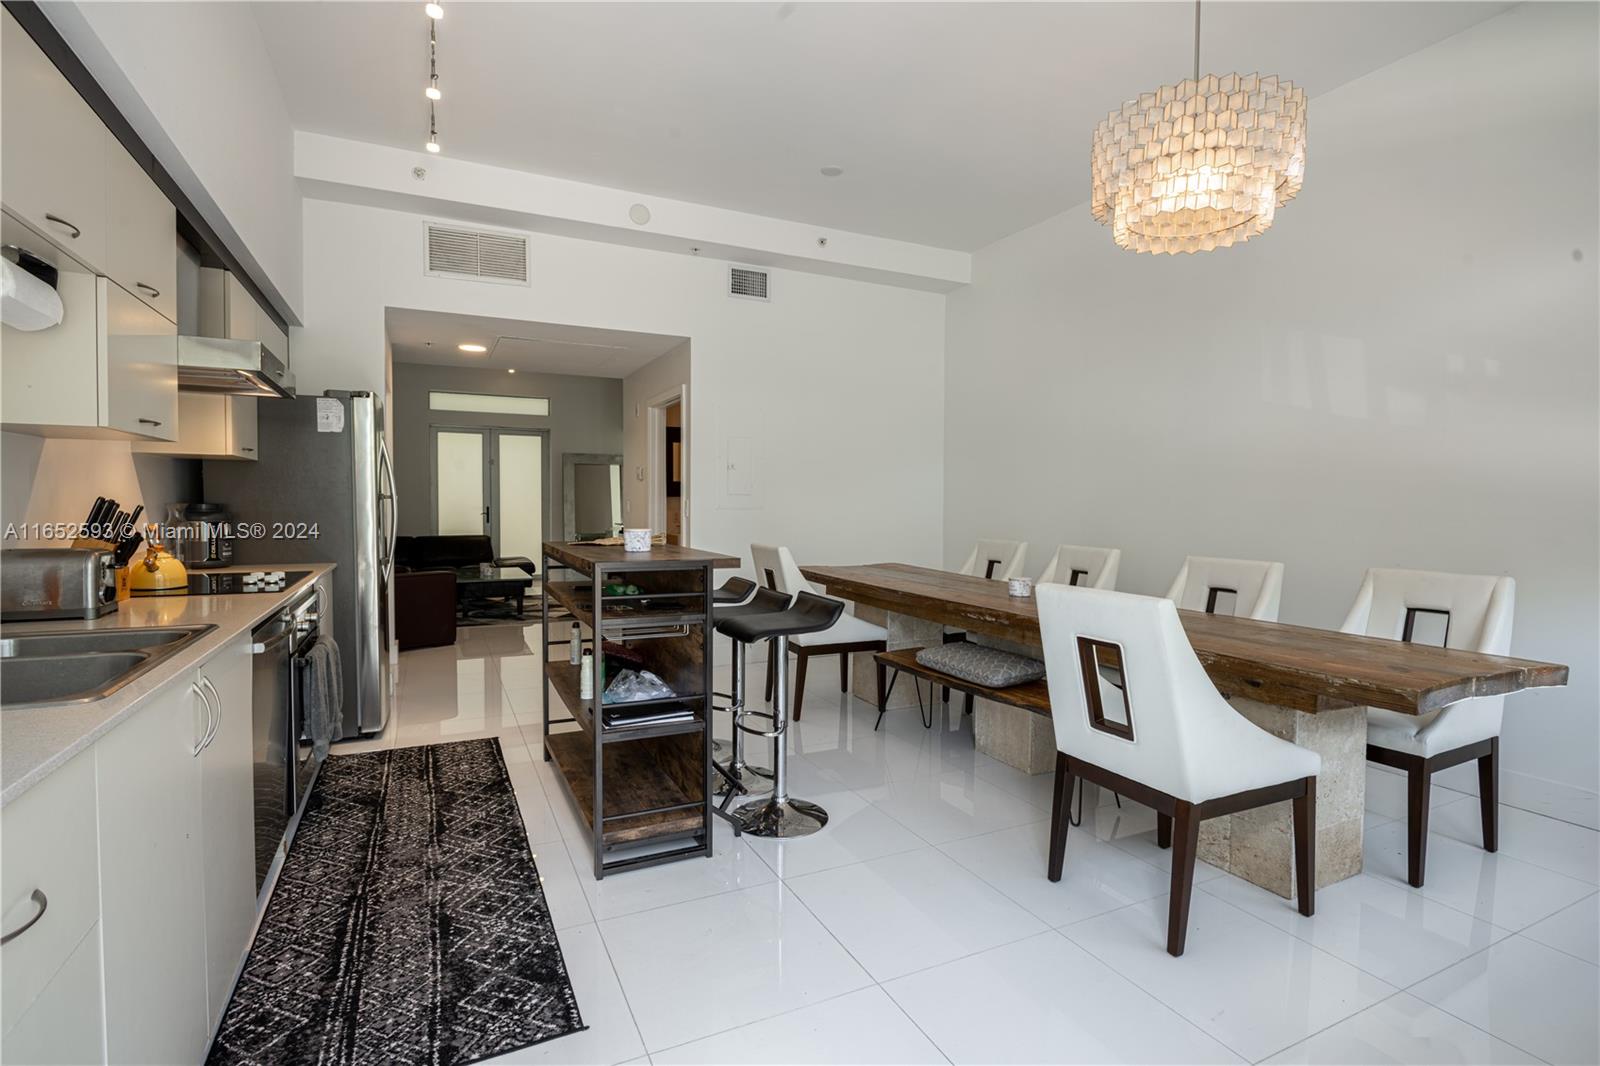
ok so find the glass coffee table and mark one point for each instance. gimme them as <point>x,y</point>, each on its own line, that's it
<point>477,588</point>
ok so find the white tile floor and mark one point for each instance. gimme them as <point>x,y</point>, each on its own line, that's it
<point>919,926</point>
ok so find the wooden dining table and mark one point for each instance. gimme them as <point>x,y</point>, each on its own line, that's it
<point>1308,686</point>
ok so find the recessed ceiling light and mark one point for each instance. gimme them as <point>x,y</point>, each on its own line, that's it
<point>832,171</point>
<point>473,348</point>
<point>511,370</point>
<point>434,11</point>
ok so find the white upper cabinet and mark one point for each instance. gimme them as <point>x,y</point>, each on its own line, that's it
<point>109,370</point>
<point>211,426</point>
<point>68,178</point>
<point>53,168</point>
<point>141,243</point>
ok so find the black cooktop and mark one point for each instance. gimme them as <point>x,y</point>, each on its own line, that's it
<point>206,583</point>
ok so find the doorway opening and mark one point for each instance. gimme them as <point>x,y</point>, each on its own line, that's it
<point>669,465</point>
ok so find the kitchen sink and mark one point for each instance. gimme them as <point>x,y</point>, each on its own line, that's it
<point>78,666</point>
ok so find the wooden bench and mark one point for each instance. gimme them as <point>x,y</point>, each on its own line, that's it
<point>1031,696</point>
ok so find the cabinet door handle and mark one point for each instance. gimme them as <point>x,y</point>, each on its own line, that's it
<point>151,289</point>
<point>247,449</point>
<point>43,902</point>
<point>149,422</point>
<point>200,741</point>
<point>76,232</point>
<point>216,716</point>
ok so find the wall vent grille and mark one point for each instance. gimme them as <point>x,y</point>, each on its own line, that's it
<point>484,255</point>
<point>747,282</point>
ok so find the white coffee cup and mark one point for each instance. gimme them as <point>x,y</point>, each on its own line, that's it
<point>1020,586</point>
<point>635,540</point>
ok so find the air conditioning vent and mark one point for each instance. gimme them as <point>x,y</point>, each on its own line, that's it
<point>748,283</point>
<point>485,255</point>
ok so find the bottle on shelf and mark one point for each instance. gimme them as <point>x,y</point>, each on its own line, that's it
<point>586,677</point>
<point>575,645</point>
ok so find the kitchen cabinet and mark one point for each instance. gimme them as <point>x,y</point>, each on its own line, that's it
<point>152,896</point>
<point>50,901</point>
<point>65,1023</point>
<point>53,168</point>
<point>211,427</point>
<point>177,865</point>
<point>228,310</point>
<point>110,369</point>
<point>227,830</point>
<point>141,235</point>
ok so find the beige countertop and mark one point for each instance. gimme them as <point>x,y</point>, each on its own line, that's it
<point>34,741</point>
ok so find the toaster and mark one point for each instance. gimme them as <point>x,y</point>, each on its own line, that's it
<point>40,583</point>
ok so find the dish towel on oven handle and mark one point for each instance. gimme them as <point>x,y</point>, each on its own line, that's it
<point>322,694</point>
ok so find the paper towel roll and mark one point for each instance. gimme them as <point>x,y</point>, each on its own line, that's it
<point>26,303</point>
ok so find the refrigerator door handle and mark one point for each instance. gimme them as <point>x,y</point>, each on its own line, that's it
<point>386,468</point>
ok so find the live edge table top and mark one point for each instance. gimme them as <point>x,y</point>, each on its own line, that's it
<point>1291,666</point>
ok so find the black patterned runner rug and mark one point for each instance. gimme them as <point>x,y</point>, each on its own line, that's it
<point>408,924</point>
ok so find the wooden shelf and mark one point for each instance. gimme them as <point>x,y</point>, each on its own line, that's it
<point>1031,696</point>
<point>637,777</point>
<point>663,609</point>
<point>566,680</point>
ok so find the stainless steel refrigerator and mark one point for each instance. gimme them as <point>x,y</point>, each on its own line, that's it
<point>323,491</point>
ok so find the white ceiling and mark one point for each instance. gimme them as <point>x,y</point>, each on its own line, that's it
<point>544,347</point>
<point>956,124</point>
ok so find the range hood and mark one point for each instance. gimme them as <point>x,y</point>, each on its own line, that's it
<point>237,368</point>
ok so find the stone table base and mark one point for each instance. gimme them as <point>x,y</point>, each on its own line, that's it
<point>1258,845</point>
<point>904,632</point>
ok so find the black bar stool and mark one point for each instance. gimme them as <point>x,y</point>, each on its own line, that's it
<point>728,759</point>
<point>778,815</point>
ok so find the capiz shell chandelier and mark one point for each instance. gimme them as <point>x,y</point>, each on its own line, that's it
<point>1199,165</point>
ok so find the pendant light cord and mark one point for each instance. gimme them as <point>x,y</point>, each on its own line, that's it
<point>1196,40</point>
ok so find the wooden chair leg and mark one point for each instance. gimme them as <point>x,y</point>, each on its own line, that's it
<point>966,708</point>
<point>1418,784</point>
<point>1305,848</point>
<point>1060,817</point>
<point>1185,846</point>
<point>799,681</point>
<point>1163,830</point>
<point>844,671</point>
<point>1489,795</point>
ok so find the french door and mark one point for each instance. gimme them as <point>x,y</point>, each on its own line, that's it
<point>491,481</point>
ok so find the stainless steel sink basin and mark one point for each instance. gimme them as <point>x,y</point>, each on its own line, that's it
<point>77,666</point>
<point>33,645</point>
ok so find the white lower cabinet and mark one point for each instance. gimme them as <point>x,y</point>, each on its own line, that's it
<point>177,866</point>
<point>152,899</point>
<point>227,823</point>
<point>66,1023</point>
<point>49,903</point>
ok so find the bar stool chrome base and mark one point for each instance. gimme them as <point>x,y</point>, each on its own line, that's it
<point>779,818</point>
<point>752,779</point>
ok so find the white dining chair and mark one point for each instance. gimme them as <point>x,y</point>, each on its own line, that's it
<point>1073,564</point>
<point>775,566</point>
<point>1001,560</point>
<point>1462,611</point>
<point>1163,737</point>
<point>1256,587</point>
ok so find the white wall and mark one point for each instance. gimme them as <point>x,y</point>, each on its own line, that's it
<point>837,385</point>
<point>48,480</point>
<point>651,381</point>
<point>196,83</point>
<point>1401,372</point>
